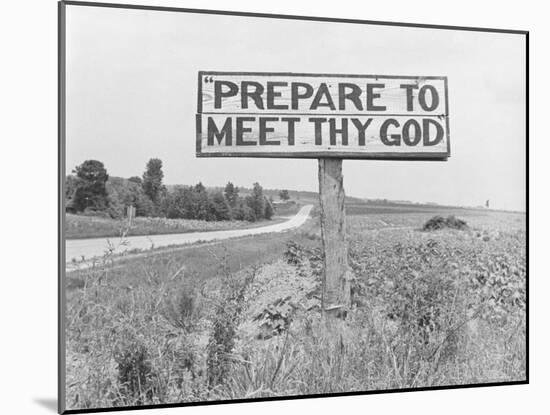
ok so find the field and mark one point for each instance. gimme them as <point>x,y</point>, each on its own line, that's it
<point>241,319</point>
<point>82,226</point>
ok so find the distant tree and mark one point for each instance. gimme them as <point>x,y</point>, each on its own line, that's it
<point>90,191</point>
<point>71,184</point>
<point>268,209</point>
<point>136,179</point>
<point>175,203</point>
<point>256,200</point>
<point>189,203</point>
<point>231,194</point>
<point>199,187</point>
<point>219,207</point>
<point>283,195</point>
<point>144,205</point>
<point>152,180</point>
<point>123,193</point>
<point>201,203</point>
<point>243,212</point>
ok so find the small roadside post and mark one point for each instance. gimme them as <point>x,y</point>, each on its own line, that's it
<point>130,214</point>
<point>329,117</point>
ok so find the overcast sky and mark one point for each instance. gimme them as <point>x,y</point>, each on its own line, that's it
<point>132,95</point>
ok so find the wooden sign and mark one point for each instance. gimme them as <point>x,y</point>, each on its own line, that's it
<point>331,118</point>
<point>322,116</point>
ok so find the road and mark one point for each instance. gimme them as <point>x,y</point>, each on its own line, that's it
<point>87,249</point>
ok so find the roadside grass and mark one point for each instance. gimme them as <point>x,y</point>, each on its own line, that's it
<point>199,263</point>
<point>240,319</point>
<point>86,226</point>
<point>288,208</point>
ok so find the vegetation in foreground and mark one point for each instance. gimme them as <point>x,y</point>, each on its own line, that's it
<point>430,308</point>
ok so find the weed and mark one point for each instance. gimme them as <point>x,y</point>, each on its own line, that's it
<point>135,371</point>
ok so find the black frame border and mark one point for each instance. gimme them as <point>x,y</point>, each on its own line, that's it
<point>61,199</point>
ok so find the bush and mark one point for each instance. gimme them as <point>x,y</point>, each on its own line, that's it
<point>244,212</point>
<point>224,328</point>
<point>275,318</point>
<point>439,222</point>
<point>183,310</point>
<point>304,258</point>
<point>135,373</point>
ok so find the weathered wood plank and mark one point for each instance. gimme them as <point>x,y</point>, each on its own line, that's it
<point>224,135</point>
<point>312,94</point>
<point>336,271</point>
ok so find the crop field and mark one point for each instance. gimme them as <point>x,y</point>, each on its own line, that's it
<point>241,318</point>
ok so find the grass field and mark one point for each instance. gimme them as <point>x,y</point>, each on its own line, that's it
<point>241,319</point>
<point>80,226</point>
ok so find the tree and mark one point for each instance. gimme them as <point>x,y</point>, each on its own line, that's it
<point>219,207</point>
<point>152,180</point>
<point>283,195</point>
<point>201,203</point>
<point>231,194</point>
<point>243,212</point>
<point>90,189</point>
<point>123,193</point>
<point>256,200</point>
<point>176,203</point>
<point>268,208</point>
<point>199,188</point>
<point>136,179</point>
<point>71,184</point>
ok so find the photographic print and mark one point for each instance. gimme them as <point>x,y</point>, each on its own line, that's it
<point>256,207</point>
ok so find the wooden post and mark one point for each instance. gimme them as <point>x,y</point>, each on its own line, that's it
<point>130,213</point>
<point>336,295</point>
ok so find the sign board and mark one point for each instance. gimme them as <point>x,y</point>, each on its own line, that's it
<point>244,114</point>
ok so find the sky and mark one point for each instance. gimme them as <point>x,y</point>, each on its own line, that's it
<point>131,80</point>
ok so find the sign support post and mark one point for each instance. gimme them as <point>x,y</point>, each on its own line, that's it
<point>336,290</point>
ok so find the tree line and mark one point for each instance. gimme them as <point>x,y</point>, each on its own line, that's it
<point>90,190</point>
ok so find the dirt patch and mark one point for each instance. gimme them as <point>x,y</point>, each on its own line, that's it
<point>277,294</point>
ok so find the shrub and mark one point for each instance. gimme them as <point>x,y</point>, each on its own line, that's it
<point>439,222</point>
<point>222,338</point>
<point>183,310</point>
<point>135,374</point>
<point>275,318</point>
<point>294,253</point>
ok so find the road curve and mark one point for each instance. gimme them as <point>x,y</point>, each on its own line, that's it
<point>87,249</point>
